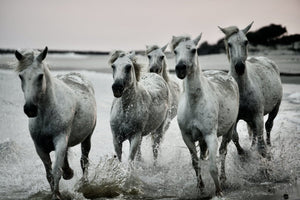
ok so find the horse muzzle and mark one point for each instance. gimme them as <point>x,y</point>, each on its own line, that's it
<point>240,68</point>
<point>118,89</point>
<point>154,69</point>
<point>30,110</point>
<point>181,70</point>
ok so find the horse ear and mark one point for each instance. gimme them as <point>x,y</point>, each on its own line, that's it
<point>164,47</point>
<point>223,30</point>
<point>245,30</point>
<point>18,55</point>
<point>131,54</point>
<point>197,39</point>
<point>43,54</point>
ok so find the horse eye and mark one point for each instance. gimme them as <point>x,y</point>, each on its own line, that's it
<point>161,57</point>
<point>21,77</point>
<point>193,51</point>
<point>113,66</point>
<point>175,52</point>
<point>40,77</point>
<point>149,57</point>
<point>229,45</point>
<point>246,42</point>
<point>128,68</point>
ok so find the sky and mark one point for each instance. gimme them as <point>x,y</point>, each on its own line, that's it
<point>102,25</point>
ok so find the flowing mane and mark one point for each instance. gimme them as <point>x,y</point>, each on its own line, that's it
<point>176,40</point>
<point>137,66</point>
<point>28,57</point>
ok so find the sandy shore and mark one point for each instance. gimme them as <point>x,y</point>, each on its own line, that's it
<point>288,62</point>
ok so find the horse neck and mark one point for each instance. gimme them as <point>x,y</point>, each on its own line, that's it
<point>165,74</point>
<point>48,97</point>
<point>242,80</point>
<point>194,81</point>
<point>130,95</point>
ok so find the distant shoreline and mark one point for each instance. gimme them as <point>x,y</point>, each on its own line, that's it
<point>80,52</point>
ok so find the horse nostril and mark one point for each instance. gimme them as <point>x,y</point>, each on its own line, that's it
<point>154,70</point>
<point>30,110</point>
<point>180,70</point>
<point>240,68</point>
<point>117,89</point>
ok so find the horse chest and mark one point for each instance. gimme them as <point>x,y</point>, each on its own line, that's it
<point>126,123</point>
<point>250,104</point>
<point>196,118</point>
<point>42,137</point>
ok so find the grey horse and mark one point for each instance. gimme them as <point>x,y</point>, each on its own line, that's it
<point>207,109</point>
<point>140,106</point>
<point>259,85</point>
<point>158,65</point>
<point>62,113</point>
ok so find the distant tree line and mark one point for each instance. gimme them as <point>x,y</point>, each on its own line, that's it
<point>270,36</point>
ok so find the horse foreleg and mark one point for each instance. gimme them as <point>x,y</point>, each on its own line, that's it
<point>203,148</point>
<point>84,161</point>
<point>195,160</point>
<point>118,147</point>
<point>135,141</point>
<point>235,139</point>
<point>67,171</point>
<point>269,122</point>
<point>212,144</point>
<point>258,124</point>
<point>252,136</point>
<point>60,144</point>
<point>223,152</point>
<point>45,157</point>
<point>156,139</point>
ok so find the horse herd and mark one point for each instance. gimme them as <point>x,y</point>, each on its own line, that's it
<point>62,109</point>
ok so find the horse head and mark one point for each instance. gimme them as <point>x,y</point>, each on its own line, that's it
<point>156,57</point>
<point>185,50</point>
<point>31,72</point>
<point>126,71</point>
<point>236,44</point>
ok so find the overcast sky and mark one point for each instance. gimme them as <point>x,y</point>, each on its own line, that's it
<point>131,24</point>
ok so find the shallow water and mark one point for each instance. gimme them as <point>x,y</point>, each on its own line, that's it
<point>23,175</point>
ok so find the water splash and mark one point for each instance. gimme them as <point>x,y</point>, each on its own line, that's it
<point>111,178</point>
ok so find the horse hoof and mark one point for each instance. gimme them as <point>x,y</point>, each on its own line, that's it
<point>56,197</point>
<point>204,156</point>
<point>219,193</point>
<point>68,174</point>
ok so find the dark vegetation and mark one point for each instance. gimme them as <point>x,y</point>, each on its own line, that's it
<point>269,36</point>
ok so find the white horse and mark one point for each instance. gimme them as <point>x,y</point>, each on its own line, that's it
<point>158,65</point>
<point>207,109</point>
<point>61,111</point>
<point>140,106</point>
<point>259,85</point>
